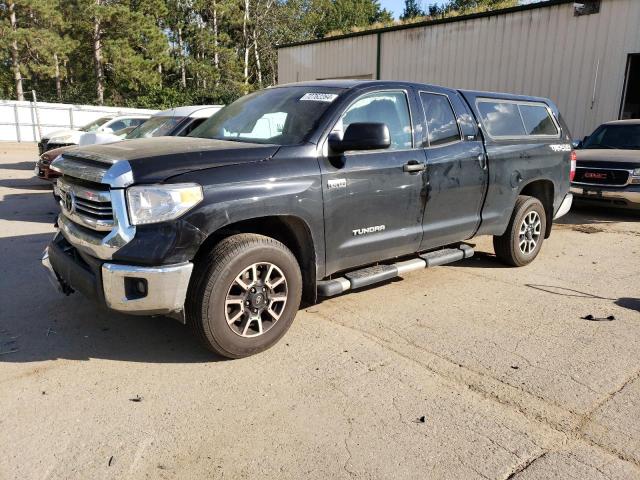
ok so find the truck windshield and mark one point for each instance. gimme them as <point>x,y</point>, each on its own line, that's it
<point>279,116</point>
<point>155,127</point>
<point>623,137</point>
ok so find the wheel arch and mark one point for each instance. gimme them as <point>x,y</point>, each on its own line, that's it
<point>543,190</point>
<point>290,230</point>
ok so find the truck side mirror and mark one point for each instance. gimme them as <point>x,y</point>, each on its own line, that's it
<point>361,136</point>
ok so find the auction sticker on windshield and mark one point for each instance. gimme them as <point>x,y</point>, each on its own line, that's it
<point>319,97</point>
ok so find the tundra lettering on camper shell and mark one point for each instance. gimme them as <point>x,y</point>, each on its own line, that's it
<point>285,193</point>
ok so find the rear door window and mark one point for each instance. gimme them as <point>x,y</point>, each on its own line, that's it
<point>442,126</point>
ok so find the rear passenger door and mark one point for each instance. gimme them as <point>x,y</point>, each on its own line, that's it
<point>456,169</point>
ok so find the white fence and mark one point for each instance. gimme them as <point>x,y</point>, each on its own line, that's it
<point>19,120</point>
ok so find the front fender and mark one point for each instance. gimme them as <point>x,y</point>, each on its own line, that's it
<point>280,186</point>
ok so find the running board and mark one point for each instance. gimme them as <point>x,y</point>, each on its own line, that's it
<point>380,273</point>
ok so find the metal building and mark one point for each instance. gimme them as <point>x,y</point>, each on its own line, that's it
<point>584,55</point>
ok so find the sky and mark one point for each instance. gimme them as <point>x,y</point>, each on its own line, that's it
<point>397,6</point>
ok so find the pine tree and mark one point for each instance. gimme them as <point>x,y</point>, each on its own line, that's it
<point>411,10</point>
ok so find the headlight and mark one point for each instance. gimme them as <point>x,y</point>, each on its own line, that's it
<point>159,203</point>
<point>636,172</point>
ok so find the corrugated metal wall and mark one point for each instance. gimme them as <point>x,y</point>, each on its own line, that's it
<point>544,51</point>
<point>349,57</point>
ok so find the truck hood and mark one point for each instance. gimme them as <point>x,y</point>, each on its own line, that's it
<point>608,158</point>
<point>156,159</point>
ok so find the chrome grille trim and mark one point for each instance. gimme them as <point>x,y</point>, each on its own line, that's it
<point>116,175</point>
<point>98,224</point>
<point>96,243</point>
<point>88,207</point>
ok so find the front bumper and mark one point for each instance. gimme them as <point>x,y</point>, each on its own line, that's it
<point>124,288</point>
<point>620,197</point>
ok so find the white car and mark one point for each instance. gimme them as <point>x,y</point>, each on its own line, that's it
<point>71,136</point>
<point>175,122</point>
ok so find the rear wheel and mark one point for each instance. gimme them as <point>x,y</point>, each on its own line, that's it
<point>522,241</point>
<point>244,295</point>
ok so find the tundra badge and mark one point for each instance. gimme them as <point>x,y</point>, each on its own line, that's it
<point>367,230</point>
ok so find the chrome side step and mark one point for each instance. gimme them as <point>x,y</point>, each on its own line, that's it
<point>380,273</point>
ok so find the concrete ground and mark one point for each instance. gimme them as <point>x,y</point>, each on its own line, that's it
<point>510,381</point>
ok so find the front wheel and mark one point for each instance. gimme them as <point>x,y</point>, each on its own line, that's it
<point>521,243</point>
<point>244,295</point>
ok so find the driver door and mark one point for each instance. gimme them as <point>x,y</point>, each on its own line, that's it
<point>373,205</point>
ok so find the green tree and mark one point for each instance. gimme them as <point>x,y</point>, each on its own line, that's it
<point>411,10</point>
<point>344,15</point>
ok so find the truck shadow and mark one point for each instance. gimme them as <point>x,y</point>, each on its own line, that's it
<point>588,215</point>
<point>28,165</point>
<point>38,323</point>
<point>29,207</point>
<point>481,260</point>
<point>630,303</point>
<point>26,184</point>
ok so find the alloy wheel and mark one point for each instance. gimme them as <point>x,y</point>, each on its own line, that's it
<point>256,299</point>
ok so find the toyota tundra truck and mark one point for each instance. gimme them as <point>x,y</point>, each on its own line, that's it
<point>302,191</point>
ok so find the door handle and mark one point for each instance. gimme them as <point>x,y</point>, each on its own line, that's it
<point>414,166</point>
<point>482,160</point>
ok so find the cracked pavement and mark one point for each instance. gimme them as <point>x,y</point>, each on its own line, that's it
<point>512,382</point>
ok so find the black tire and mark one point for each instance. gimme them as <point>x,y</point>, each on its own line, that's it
<point>214,277</point>
<point>508,246</point>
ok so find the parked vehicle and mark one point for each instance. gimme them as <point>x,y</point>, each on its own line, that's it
<point>608,166</point>
<point>173,122</point>
<point>42,169</point>
<point>71,136</point>
<point>228,228</point>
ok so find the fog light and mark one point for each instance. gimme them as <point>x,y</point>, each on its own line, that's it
<point>135,288</point>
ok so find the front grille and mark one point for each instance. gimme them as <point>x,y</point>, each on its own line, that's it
<point>53,146</point>
<point>86,203</point>
<point>601,176</point>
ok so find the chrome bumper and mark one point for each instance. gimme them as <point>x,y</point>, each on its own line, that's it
<point>165,288</point>
<point>51,274</point>
<point>565,206</point>
<point>629,196</point>
<point>125,288</point>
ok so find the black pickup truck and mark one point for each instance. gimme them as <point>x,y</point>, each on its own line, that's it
<point>305,190</point>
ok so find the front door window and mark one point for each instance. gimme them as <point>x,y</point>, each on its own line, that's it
<point>390,108</point>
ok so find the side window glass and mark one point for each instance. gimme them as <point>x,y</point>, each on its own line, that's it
<point>442,126</point>
<point>390,108</point>
<point>189,128</point>
<point>501,119</point>
<point>119,125</point>
<point>537,120</point>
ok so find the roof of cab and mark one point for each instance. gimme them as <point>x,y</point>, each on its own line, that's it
<point>195,111</point>
<point>631,121</point>
<point>352,83</point>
